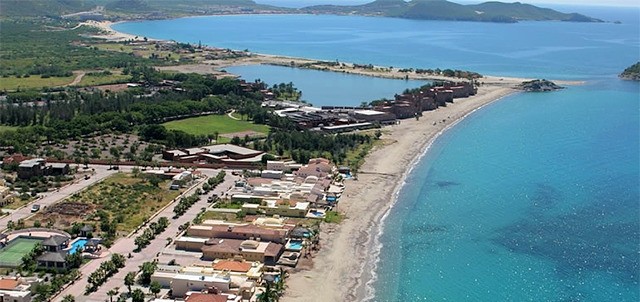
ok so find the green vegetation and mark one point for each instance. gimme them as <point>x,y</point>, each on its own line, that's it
<point>150,233</point>
<point>12,83</point>
<point>106,270</point>
<point>446,10</point>
<point>209,124</point>
<point>632,72</point>
<point>33,48</point>
<point>120,203</point>
<point>92,79</point>
<point>333,217</point>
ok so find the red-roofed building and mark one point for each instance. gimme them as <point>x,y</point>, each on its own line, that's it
<point>199,297</point>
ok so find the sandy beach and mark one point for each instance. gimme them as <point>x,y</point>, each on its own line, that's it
<point>344,263</point>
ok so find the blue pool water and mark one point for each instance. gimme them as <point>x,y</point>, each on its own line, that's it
<point>295,245</point>
<point>78,244</point>
<point>533,198</point>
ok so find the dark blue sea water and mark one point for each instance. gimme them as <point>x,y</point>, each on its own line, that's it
<point>533,198</point>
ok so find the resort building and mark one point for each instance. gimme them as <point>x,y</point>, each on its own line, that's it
<point>14,290</point>
<point>282,207</point>
<point>225,154</point>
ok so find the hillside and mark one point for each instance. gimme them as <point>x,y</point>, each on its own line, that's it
<point>632,72</point>
<point>34,8</point>
<point>446,10</point>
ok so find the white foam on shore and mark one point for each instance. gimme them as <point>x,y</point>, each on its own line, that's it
<point>377,246</point>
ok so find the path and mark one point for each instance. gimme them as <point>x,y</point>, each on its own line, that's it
<point>230,115</point>
<point>125,246</point>
<point>50,198</point>
<point>79,75</point>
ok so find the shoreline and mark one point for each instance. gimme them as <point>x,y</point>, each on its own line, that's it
<point>349,248</point>
<point>216,66</point>
<point>352,246</point>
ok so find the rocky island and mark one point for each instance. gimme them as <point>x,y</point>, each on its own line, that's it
<point>539,86</point>
<point>631,73</point>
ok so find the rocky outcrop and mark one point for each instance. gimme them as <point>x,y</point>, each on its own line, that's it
<point>631,73</point>
<point>539,86</point>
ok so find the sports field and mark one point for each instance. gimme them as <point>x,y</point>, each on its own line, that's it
<point>209,124</point>
<point>11,255</point>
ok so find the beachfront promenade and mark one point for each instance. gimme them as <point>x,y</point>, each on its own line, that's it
<point>124,246</point>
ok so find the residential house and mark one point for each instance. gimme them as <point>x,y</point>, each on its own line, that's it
<point>14,290</point>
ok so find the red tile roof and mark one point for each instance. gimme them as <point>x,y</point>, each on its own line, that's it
<point>234,266</point>
<point>198,297</point>
<point>8,284</point>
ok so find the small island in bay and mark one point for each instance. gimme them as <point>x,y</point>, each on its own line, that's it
<point>631,73</point>
<point>539,86</point>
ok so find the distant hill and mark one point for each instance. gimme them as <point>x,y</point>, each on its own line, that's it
<point>446,10</point>
<point>141,8</point>
<point>632,72</point>
<point>34,8</point>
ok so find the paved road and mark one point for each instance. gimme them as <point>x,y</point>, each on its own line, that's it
<point>49,198</point>
<point>125,246</point>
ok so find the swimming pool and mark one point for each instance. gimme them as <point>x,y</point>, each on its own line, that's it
<point>294,245</point>
<point>78,244</point>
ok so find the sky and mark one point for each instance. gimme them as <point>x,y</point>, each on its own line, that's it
<point>299,3</point>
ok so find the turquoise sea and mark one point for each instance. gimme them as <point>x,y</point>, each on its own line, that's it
<point>533,198</point>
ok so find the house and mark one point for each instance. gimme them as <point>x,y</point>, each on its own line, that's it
<point>30,168</point>
<point>241,232</point>
<point>55,243</point>
<point>289,208</point>
<point>202,297</point>
<point>5,195</point>
<point>251,250</point>
<point>183,283</point>
<point>14,290</point>
<point>55,260</point>
<point>38,167</point>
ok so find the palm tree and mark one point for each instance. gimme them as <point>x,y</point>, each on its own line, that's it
<point>112,292</point>
<point>129,280</point>
<point>268,295</point>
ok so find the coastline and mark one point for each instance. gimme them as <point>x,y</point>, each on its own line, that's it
<point>349,248</point>
<point>216,66</point>
<point>345,265</point>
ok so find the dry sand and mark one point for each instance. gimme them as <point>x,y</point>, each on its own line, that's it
<point>343,265</point>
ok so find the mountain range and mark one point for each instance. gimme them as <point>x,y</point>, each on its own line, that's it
<point>414,9</point>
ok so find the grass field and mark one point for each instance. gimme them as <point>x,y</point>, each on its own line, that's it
<point>35,81</point>
<point>12,254</point>
<point>90,80</point>
<point>208,124</point>
<point>7,128</point>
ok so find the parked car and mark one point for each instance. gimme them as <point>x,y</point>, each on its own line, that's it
<point>35,208</point>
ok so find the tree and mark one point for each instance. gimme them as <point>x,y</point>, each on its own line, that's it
<point>146,270</point>
<point>118,260</point>
<point>268,295</point>
<point>68,298</point>
<point>112,292</point>
<point>155,288</point>
<point>129,280</point>
<point>137,295</point>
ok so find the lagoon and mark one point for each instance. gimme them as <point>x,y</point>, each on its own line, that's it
<point>323,88</point>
